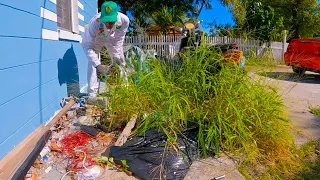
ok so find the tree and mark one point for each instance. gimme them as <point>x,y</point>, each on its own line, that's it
<point>166,17</point>
<point>145,10</point>
<point>220,29</point>
<point>262,23</point>
<point>266,19</point>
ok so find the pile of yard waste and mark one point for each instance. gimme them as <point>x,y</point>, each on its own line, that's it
<point>83,145</point>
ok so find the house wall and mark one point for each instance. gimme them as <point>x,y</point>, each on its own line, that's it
<point>36,68</point>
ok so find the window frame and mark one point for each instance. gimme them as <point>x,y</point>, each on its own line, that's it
<point>74,34</point>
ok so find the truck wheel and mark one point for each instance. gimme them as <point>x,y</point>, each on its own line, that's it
<point>298,70</point>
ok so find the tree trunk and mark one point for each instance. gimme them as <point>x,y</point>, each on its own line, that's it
<point>296,22</point>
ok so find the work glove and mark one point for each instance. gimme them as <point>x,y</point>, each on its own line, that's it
<point>102,71</point>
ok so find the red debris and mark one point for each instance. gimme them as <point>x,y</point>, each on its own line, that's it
<point>73,146</point>
<point>73,140</point>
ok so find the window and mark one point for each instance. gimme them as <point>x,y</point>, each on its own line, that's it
<point>68,21</point>
<point>64,15</point>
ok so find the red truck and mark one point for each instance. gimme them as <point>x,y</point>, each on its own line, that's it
<point>303,54</point>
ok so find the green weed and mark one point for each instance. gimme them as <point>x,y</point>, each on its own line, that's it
<point>233,112</point>
<point>315,110</point>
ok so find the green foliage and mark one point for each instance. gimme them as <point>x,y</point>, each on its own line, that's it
<point>166,17</point>
<point>315,110</point>
<point>233,112</point>
<point>125,164</point>
<point>220,29</point>
<point>110,163</point>
<point>313,172</point>
<point>263,23</point>
<point>106,160</point>
<point>267,19</point>
<point>146,12</point>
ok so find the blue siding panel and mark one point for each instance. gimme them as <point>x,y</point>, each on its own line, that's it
<point>51,25</point>
<point>53,106</point>
<point>90,6</point>
<point>18,51</point>
<point>50,6</point>
<point>30,125</point>
<point>50,50</point>
<point>21,24</point>
<point>16,138</point>
<point>36,73</point>
<point>19,112</point>
<point>21,5</point>
<point>82,23</point>
<point>87,16</point>
<point>18,81</point>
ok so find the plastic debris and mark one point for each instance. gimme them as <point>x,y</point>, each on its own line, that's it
<point>44,151</point>
<point>94,172</point>
<point>147,157</point>
<point>75,106</point>
<point>45,158</point>
<point>48,169</point>
<point>87,121</point>
<point>90,130</point>
<point>31,176</point>
<point>74,146</point>
<point>64,101</point>
<point>54,147</point>
<point>220,178</point>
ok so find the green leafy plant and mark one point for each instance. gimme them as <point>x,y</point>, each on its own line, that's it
<point>124,164</point>
<point>233,112</point>
<point>110,163</point>
<point>315,110</point>
<point>106,160</point>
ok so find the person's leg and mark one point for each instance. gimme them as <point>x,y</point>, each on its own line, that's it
<point>93,82</point>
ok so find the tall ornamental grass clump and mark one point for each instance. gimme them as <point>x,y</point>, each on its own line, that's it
<point>233,112</point>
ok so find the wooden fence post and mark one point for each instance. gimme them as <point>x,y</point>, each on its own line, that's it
<point>139,41</point>
<point>284,43</point>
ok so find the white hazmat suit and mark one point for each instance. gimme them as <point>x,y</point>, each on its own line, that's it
<point>95,37</point>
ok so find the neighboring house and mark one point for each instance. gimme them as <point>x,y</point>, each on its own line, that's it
<point>41,62</point>
<point>155,30</point>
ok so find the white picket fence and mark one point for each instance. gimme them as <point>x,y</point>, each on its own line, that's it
<point>169,45</point>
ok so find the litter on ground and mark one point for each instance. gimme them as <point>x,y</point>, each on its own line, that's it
<point>75,146</point>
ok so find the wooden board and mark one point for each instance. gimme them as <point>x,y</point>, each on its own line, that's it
<point>13,160</point>
<point>10,163</point>
<point>126,132</point>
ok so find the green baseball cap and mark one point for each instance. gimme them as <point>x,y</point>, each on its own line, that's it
<point>109,12</point>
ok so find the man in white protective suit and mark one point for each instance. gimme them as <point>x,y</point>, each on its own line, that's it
<point>107,29</point>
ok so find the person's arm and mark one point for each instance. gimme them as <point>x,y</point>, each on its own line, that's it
<point>121,32</point>
<point>89,40</point>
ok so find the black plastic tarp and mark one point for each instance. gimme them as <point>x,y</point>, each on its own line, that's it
<point>149,158</point>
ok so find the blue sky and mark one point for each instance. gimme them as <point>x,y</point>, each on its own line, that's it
<point>218,13</point>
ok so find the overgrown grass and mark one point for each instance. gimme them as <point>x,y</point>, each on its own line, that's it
<point>315,110</point>
<point>234,113</point>
<point>264,61</point>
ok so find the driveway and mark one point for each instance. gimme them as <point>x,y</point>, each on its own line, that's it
<point>298,93</point>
